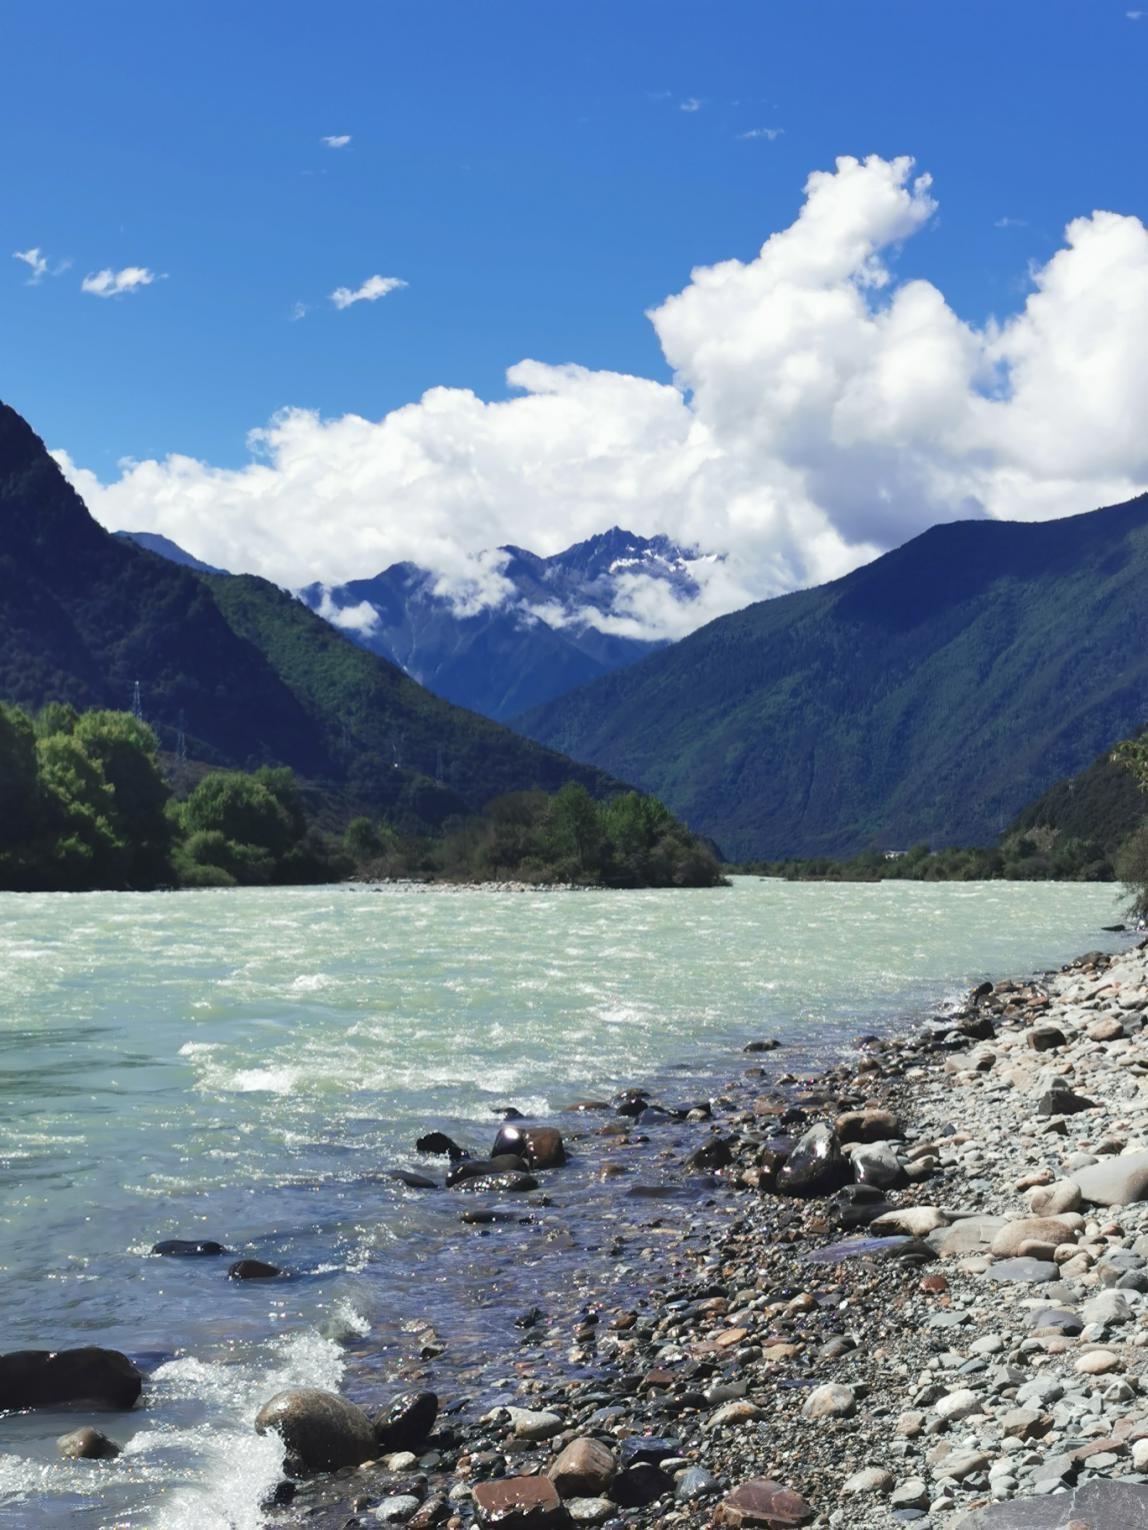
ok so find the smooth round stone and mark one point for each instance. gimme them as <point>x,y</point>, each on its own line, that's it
<point>870,1479</point>
<point>830,1401</point>
<point>1023,1271</point>
<point>1097,1362</point>
<point>957,1405</point>
<point>590,1511</point>
<point>397,1509</point>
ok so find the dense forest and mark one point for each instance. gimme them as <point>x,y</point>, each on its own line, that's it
<point>85,803</point>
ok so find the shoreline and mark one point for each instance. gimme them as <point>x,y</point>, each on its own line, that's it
<point>887,1385</point>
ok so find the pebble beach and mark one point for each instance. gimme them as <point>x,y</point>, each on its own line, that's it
<point>910,1290</point>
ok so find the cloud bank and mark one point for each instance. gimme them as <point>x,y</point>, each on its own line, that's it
<point>819,411</point>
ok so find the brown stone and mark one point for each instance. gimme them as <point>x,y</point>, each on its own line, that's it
<point>868,1126</point>
<point>519,1503</point>
<point>763,1502</point>
<point>585,1469</point>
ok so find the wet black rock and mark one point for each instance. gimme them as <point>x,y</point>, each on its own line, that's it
<point>768,1045</point>
<point>648,1448</point>
<point>407,1422</point>
<point>484,1168</point>
<point>508,1181</point>
<point>253,1269</point>
<point>439,1145</point>
<point>188,1248</point>
<point>640,1485</point>
<point>816,1166</point>
<point>412,1180</point>
<point>540,1146</point>
<point>715,1154</point>
<point>44,1378</point>
<point>631,1102</point>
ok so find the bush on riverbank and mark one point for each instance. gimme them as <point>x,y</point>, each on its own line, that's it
<point>630,841</point>
<point>85,804</point>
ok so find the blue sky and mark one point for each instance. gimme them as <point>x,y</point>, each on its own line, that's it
<point>526,167</point>
<point>538,174</point>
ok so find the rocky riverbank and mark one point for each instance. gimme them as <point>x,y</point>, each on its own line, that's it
<point>943,1320</point>
<point>911,1289</point>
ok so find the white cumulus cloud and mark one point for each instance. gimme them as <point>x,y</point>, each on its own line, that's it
<point>336,140</point>
<point>373,288</point>
<point>109,283</point>
<point>816,410</point>
<point>691,104</point>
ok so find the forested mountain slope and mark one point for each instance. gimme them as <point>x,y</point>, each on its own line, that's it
<point>925,697</point>
<point>240,667</point>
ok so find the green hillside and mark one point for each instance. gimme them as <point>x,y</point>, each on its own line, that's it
<point>248,673</point>
<point>925,697</point>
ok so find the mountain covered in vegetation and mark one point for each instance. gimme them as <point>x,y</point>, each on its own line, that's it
<point>926,697</point>
<point>557,624</point>
<point>237,670</point>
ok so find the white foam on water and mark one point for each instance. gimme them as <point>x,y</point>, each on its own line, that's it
<point>233,1468</point>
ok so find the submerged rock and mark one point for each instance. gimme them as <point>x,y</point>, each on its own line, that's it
<point>44,1378</point>
<point>412,1180</point>
<point>253,1269</point>
<point>188,1248</point>
<point>87,1445</point>
<point>320,1430</point>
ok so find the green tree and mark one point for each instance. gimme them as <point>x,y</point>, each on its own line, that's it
<point>241,808</point>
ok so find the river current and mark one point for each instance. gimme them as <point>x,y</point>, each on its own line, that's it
<point>247,1065</point>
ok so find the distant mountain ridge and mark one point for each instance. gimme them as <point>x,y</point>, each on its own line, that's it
<point>241,668</point>
<point>152,542</point>
<point>538,643</point>
<point>927,696</point>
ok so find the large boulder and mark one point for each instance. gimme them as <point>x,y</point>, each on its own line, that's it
<point>47,1378</point>
<point>877,1164</point>
<point>1114,1181</point>
<point>1098,1505</point>
<point>1054,1230</point>
<point>541,1146</point>
<point>816,1166</point>
<point>320,1430</point>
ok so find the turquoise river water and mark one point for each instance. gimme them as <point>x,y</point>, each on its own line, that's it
<point>247,1065</point>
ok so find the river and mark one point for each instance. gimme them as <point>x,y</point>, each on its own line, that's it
<point>246,1065</point>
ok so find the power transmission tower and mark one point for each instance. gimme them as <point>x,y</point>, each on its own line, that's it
<point>137,702</point>
<point>181,739</point>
